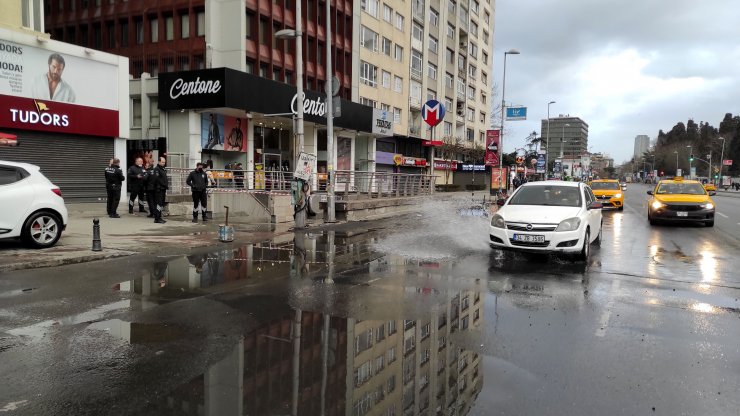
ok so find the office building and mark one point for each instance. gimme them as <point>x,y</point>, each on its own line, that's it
<point>568,137</point>
<point>642,146</point>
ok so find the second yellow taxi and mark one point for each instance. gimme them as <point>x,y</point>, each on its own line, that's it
<point>608,192</point>
<point>681,200</point>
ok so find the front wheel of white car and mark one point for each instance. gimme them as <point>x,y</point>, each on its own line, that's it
<point>42,230</point>
<point>586,250</point>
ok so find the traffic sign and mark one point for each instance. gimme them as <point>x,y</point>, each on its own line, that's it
<point>433,112</point>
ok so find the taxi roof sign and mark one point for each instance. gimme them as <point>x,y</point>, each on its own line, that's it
<point>678,178</point>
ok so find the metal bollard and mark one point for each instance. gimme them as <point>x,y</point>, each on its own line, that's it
<point>96,244</point>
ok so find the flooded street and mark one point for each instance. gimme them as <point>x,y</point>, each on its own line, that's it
<point>411,315</point>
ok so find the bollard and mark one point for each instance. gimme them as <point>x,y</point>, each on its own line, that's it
<point>96,245</point>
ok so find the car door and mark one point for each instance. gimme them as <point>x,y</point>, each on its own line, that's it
<point>594,215</point>
<point>16,196</point>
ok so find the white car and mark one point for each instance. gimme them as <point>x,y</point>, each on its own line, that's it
<point>33,208</point>
<point>548,217</point>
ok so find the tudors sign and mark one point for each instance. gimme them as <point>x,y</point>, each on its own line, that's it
<point>382,123</point>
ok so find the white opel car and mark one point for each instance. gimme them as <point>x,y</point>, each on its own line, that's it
<point>548,217</point>
<point>33,208</point>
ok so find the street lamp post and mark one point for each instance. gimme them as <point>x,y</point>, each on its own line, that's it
<point>676,152</point>
<point>547,144</point>
<point>721,159</point>
<point>503,113</point>
<point>691,149</point>
<point>297,34</point>
<point>330,209</point>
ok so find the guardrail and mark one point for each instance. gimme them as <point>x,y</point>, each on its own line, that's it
<point>239,180</point>
<point>370,185</point>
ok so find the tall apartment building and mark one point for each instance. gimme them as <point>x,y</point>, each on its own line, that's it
<point>642,145</point>
<point>413,51</point>
<point>568,137</point>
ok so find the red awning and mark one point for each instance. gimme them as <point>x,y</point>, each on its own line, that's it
<point>8,139</point>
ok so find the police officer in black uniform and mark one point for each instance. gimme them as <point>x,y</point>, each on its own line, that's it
<point>136,177</point>
<point>160,189</point>
<point>113,179</point>
<point>198,182</point>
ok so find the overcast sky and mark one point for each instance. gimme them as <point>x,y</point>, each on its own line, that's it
<point>625,67</point>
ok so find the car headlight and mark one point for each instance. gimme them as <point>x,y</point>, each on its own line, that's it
<point>571,224</point>
<point>618,196</point>
<point>498,221</point>
<point>658,204</point>
<point>708,205</point>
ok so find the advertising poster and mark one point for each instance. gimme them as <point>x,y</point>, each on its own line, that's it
<point>211,131</point>
<point>541,163</point>
<point>235,135</point>
<point>344,153</point>
<point>31,72</point>
<point>498,179</point>
<point>492,142</point>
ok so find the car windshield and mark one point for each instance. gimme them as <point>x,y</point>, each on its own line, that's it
<point>562,196</point>
<point>605,185</point>
<point>681,188</point>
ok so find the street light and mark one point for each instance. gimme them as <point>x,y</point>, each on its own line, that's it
<point>503,113</point>
<point>676,152</point>
<point>721,158</point>
<point>330,209</point>
<point>691,149</point>
<point>297,34</point>
<point>547,144</point>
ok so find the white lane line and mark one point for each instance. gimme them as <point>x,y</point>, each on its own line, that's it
<point>604,321</point>
<point>722,215</point>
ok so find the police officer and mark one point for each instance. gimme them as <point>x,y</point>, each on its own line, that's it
<point>160,189</point>
<point>149,189</point>
<point>136,177</point>
<point>113,179</point>
<point>198,182</point>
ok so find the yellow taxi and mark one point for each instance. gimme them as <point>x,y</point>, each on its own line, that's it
<point>710,187</point>
<point>608,192</point>
<point>681,200</point>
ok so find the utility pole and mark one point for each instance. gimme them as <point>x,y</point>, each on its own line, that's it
<point>330,209</point>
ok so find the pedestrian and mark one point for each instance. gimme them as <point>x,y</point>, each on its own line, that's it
<point>198,182</point>
<point>160,189</point>
<point>239,175</point>
<point>114,177</point>
<point>136,177</point>
<point>517,182</point>
<point>149,190</point>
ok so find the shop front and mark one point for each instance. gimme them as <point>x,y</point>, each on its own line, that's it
<point>67,109</point>
<point>471,176</point>
<point>243,118</point>
<point>444,170</point>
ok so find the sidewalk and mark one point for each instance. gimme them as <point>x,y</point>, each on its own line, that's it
<point>125,236</point>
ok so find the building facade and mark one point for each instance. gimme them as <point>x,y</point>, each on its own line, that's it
<point>568,137</point>
<point>642,145</point>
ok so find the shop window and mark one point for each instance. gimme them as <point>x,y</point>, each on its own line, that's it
<point>387,147</point>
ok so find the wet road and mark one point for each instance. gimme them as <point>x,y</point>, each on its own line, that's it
<point>415,316</point>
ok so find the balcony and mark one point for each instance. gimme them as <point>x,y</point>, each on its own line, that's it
<point>416,73</point>
<point>418,11</point>
<point>415,103</point>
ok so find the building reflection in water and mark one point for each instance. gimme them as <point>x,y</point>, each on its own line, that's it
<point>308,363</point>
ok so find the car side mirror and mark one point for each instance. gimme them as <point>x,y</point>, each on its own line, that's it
<point>712,193</point>
<point>650,192</point>
<point>500,202</point>
<point>596,205</point>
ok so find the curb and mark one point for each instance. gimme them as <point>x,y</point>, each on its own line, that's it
<point>63,262</point>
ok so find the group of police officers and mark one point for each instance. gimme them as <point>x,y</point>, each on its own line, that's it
<point>143,181</point>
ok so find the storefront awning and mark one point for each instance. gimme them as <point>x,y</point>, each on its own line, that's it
<point>7,139</point>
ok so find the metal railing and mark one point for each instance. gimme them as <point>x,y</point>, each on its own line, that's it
<point>371,185</point>
<point>237,180</point>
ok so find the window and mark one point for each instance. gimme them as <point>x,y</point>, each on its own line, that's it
<point>139,32</point>
<point>409,344</point>
<point>484,77</point>
<point>363,341</point>
<point>474,6</point>
<point>136,112</point>
<point>398,53</point>
<point>473,49</point>
<point>432,71</point>
<point>124,33</point>
<point>487,17</point>
<point>370,7</point>
<point>185,26</point>
<point>369,39</point>
<point>425,331</point>
<point>397,84</point>
<point>363,373</point>
<point>474,28</point>
<point>387,13</point>
<point>387,46</point>
<point>425,356</point>
<point>368,74</point>
<point>450,31</point>
<point>400,22</point>
<point>472,70</point>
<point>451,6</point>
<point>415,92</point>
<point>386,108</point>
<point>169,27</point>
<point>449,80</point>
<point>264,37</point>
<point>201,23</point>
<point>434,17</point>
<point>417,32</point>
<point>471,117</point>
<point>154,111</point>
<point>379,364</point>
<point>448,128</point>
<point>416,68</point>
<point>448,103</point>
<point>10,175</point>
<point>485,57</point>
<point>431,95</point>
<point>408,324</point>
<point>433,44</point>
<point>368,102</point>
<point>450,55</point>
<point>396,115</point>
<point>482,117</point>
<point>392,328</point>
<point>386,79</point>
<point>470,135</point>
<point>390,384</point>
<point>485,37</point>
<point>110,30</point>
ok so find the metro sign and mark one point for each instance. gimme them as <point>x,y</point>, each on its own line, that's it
<point>433,112</point>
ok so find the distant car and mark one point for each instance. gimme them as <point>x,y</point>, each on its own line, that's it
<point>709,187</point>
<point>609,193</point>
<point>624,186</point>
<point>548,217</point>
<point>681,200</point>
<point>37,214</point>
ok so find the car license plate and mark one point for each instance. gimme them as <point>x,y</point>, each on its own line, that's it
<point>525,238</point>
<point>682,214</point>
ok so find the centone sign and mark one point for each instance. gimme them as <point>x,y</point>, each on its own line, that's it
<point>180,87</point>
<point>313,107</point>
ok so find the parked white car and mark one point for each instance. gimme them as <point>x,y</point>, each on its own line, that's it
<point>546,217</point>
<point>33,207</point>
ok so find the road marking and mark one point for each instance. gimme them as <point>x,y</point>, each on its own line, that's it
<point>604,321</point>
<point>722,215</point>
